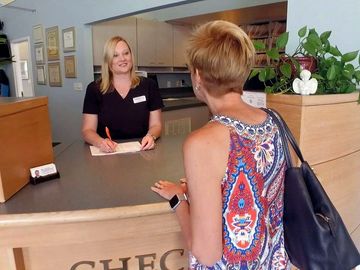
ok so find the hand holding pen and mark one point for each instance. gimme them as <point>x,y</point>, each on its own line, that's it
<point>108,145</point>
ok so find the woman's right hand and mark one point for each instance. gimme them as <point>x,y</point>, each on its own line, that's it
<point>167,189</point>
<point>106,145</point>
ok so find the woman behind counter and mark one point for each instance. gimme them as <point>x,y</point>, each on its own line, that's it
<point>128,105</point>
<point>234,165</point>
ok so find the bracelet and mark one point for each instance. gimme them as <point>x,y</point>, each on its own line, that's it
<point>152,136</point>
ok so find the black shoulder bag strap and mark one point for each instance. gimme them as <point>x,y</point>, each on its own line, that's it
<point>286,136</point>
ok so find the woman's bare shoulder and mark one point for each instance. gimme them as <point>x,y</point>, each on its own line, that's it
<point>208,138</point>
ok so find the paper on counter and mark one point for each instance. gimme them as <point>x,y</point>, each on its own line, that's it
<point>121,148</point>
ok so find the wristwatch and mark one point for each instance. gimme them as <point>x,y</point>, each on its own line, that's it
<point>176,200</point>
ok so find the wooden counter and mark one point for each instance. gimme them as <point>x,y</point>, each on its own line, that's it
<point>101,214</point>
<point>25,141</point>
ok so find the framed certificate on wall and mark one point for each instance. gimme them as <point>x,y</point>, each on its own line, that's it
<point>54,73</point>
<point>41,74</point>
<point>70,66</point>
<point>39,54</point>
<point>38,33</point>
<point>68,37</point>
<point>52,43</point>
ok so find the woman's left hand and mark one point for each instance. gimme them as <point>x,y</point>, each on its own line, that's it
<point>147,142</point>
<point>167,189</point>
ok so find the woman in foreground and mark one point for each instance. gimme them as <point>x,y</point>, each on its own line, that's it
<point>234,165</point>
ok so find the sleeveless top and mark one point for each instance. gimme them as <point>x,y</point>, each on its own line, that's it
<point>252,192</point>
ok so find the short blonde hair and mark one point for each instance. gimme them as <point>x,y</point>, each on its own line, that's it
<point>223,54</point>
<point>106,72</point>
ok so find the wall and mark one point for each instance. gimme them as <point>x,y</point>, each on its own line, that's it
<point>341,17</point>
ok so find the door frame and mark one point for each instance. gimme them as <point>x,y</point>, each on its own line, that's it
<point>19,91</point>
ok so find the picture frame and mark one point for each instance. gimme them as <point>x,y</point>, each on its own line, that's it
<point>52,43</point>
<point>68,37</point>
<point>54,73</point>
<point>24,69</point>
<point>70,66</point>
<point>38,33</point>
<point>39,54</point>
<point>41,75</point>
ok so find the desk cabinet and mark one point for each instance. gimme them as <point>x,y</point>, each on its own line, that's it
<point>154,43</point>
<point>183,121</point>
<point>181,35</point>
<point>25,141</point>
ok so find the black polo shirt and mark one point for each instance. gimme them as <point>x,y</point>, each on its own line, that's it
<point>127,117</point>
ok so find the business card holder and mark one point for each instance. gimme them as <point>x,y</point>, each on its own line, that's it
<point>43,173</point>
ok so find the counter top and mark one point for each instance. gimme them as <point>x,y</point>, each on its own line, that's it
<point>112,181</point>
<point>181,103</point>
<point>11,105</point>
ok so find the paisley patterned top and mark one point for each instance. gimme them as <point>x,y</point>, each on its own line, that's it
<point>252,189</point>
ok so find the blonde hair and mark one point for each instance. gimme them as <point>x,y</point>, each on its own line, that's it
<point>223,54</point>
<point>106,72</point>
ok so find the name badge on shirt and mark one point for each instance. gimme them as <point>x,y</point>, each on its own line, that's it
<point>139,99</point>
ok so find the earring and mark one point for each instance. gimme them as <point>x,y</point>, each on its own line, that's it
<point>196,88</point>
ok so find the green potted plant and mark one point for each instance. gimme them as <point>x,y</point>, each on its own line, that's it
<point>333,70</point>
<point>326,125</point>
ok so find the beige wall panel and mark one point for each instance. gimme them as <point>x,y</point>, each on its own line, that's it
<point>341,180</point>
<point>7,259</point>
<point>326,126</point>
<point>84,232</point>
<point>147,252</point>
<point>330,131</point>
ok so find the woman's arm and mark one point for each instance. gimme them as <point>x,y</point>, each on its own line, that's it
<point>155,123</point>
<point>205,161</point>
<point>167,190</point>
<point>90,135</point>
<point>154,132</point>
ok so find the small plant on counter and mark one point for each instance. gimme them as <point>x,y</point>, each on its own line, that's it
<point>333,70</point>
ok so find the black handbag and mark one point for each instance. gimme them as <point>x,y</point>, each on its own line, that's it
<point>314,233</point>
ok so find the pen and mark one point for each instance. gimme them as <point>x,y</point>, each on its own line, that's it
<point>108,133</point>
